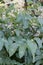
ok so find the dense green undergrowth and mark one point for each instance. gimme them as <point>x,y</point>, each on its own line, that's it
<point>21,36</point>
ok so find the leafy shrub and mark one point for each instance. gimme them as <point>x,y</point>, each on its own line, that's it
<point>21,36</point>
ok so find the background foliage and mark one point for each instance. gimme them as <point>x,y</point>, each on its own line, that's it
<point>21,34</point>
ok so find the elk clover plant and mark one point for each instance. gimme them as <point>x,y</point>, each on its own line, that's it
<point>21,36</point>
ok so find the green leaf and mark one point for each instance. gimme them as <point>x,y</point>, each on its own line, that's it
<point>39,62</point>
<point>40,20</point>
<point>4,42</point>
<point>19,18</point>
<point>7,45</point>
<point>1,34</point>
<point>12,48</point>
<point>1,60</point>
<point>32,47</point>
<point>10,40</point>
<point>38,52</point>
<point>29,1</point>
<point>39,57</point>
<point>17,31</point>
<point>39,42</point>
<point>41,29</point>
<point>25,24</point>
<point>1,43</point>
<point>22,50</point>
